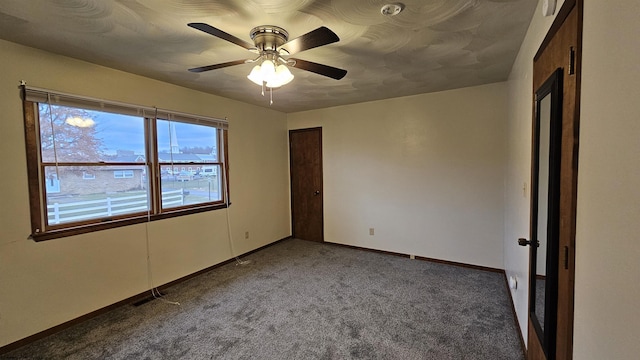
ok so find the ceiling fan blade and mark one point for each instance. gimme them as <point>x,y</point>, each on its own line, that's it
<point>325,70</point>
<point>318,37</point>
<point>221,34</point>
<point>216,66</point>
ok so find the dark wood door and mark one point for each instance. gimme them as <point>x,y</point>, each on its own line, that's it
<point>305,152</point>
<point>559,53</point>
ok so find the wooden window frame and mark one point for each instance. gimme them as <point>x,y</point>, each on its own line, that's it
<point>41,230</point>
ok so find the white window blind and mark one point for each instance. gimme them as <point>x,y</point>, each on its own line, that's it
<point>59,98</point>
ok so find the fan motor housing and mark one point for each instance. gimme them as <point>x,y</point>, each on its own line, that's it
<point>268,37</point>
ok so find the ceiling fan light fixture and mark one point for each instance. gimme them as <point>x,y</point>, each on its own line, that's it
<point>269,75</point>
<point>273,47</point>
<point>255,75</point>
<point>267,70</point>
<point>282,77</point>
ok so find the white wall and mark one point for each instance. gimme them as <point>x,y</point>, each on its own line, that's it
<point>520,102</point>
<point>426,171</point>
<point>607,310</point>
<point>47,283</point>
<point>607,315</point>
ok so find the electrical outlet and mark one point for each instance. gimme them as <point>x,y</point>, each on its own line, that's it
<point>371,231</point>
<point>513,282</point>
<point>246,234</point>
<point>412,257</point>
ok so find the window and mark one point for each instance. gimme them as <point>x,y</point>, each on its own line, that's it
<point>131,154</point>
<point>123,174</point>
<point>184,143</point>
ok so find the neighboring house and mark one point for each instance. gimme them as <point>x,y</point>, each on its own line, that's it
<point>129,158</point>
<point>117,178</point>
<point>186,162</point>
<point>208,170</point>
<point>101,179</point>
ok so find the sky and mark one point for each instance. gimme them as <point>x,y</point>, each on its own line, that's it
<point>124,132</point>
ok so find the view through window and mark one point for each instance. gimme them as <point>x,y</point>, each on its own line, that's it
<point>188,160</point>
<point>93,162</point>
<point>97,167</point>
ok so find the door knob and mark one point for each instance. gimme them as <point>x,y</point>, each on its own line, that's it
<point>525,242</point>
<point>316,193</point>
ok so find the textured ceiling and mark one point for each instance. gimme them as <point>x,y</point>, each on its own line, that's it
<point>432,45</point>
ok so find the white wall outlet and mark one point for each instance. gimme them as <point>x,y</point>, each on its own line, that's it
<point>412,257</point>
<point>371,231</point>
<point>524,189</point>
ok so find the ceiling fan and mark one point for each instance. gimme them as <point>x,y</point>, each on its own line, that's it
<point>273,47</point>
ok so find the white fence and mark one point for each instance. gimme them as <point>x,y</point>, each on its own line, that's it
<point>92,209</point>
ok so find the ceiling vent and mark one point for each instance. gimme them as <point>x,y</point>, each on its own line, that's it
<point>392,9</point>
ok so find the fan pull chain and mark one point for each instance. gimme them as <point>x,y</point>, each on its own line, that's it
<point>263,88</point>
<point>270,96</point>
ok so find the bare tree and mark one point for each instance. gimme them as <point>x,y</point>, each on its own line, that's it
<point>74,133</point>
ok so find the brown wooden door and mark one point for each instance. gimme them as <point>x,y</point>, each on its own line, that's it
<point>560,53</point>
<point>305,152</point>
